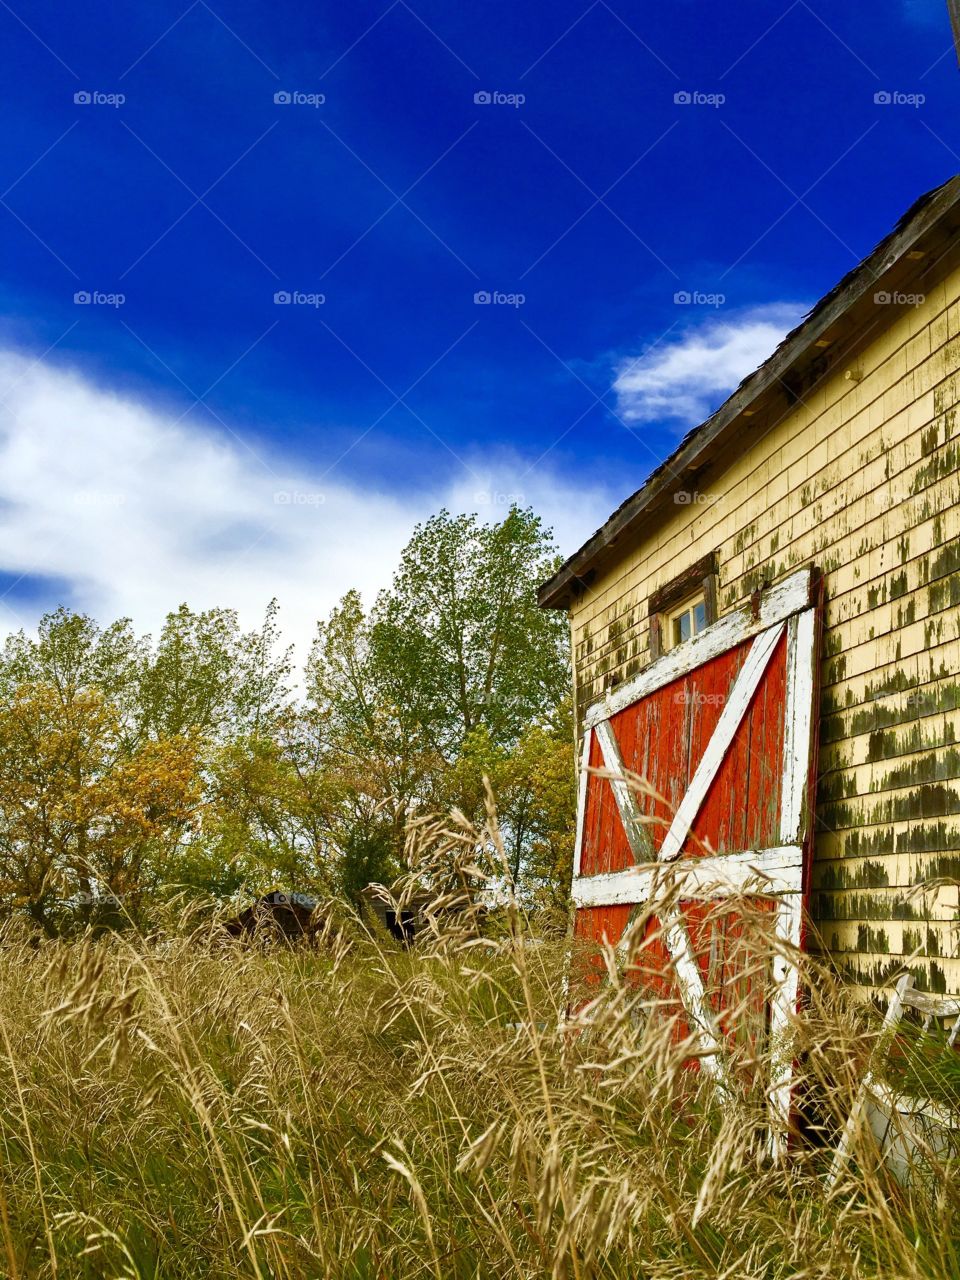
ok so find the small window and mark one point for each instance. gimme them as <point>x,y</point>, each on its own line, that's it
<point>689,620</point>
<point>683,607</point>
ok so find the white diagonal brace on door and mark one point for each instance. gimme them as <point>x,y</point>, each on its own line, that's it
<point>693,994</point>
<point>738,700</point>
<point>630,815</point>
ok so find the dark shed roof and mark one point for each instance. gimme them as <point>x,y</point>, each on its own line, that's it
<point>815,346</point>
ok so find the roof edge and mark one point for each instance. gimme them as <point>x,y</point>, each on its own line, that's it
<point>573,576</point>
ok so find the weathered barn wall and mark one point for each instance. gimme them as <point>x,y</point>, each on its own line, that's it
<point>863,479</point>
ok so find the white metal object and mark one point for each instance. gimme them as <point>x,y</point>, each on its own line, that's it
<point>904,997</point>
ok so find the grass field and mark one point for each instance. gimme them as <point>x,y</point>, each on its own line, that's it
<point>189,1107</point>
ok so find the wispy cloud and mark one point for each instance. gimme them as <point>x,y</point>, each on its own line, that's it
<point>683,380</point>
<point>115,504</point>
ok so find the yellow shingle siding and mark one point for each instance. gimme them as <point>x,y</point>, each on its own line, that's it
<point>861,478</point>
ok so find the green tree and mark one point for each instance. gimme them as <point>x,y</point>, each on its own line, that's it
<point>209,676</point>
<point>455,674</point>
<point>273,810</point>
<point>459,635</point>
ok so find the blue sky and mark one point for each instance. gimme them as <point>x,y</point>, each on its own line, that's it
<point>382,164</point>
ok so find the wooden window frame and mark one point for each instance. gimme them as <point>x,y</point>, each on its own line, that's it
<point>700,577</point>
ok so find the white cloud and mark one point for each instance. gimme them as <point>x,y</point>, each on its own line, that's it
<point>684,379</point>
<point>136,512</point>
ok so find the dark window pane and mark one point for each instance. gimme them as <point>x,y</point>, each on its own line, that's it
<point>699,617</point>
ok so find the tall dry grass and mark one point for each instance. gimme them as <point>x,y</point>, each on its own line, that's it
<point>183,1107</point>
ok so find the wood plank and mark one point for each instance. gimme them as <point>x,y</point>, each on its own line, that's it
<point>605,844</point>
<point>684,584</point>
<point>692,992</point>
<point>783,1006</point>
<point>934,1006</point>
<point>757,871</point>
<point>909,1105</point>
<point>893,1016</point>
<point>797,724</point>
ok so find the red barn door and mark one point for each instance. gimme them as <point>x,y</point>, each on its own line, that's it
<point>722,731</point>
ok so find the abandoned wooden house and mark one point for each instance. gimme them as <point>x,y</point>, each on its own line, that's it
<point>768,631</point>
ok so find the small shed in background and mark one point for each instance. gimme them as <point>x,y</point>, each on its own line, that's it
<point>402,922</point>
